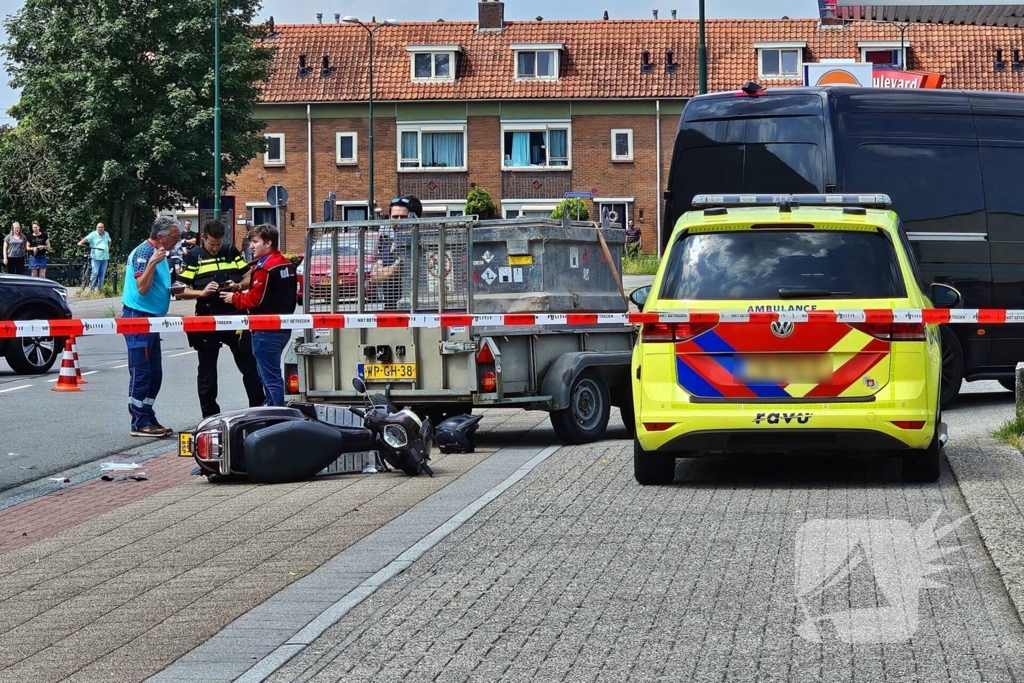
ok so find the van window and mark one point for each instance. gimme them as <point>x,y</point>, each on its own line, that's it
<point>755,265</point>
<point>1001,167</point>
<point>925,182</point>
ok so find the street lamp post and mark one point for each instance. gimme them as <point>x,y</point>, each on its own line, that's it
<point>702,53</point>
<point>370,213</point>
<point>216,111</point>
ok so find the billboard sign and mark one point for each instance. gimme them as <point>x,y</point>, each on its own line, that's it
<point>869,75</point>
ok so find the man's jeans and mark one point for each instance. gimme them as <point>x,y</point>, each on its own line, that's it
<point>268,347</point>
<point>145,373</point>
<point>99,271</point>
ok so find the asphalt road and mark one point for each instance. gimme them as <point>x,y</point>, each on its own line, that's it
<point>46,432</point>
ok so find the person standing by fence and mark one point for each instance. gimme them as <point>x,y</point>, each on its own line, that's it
<point>99,252</point>
<point>273,283</point>
<point>39,247</point>
<point>147,293</point>
<point>14,250</point>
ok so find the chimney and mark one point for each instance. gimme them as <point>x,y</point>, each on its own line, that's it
<point>492,15</point>
<point>337,17</point>
<point>673,14</point>
<point>319,17</point>
<point>606,15</point>
<point>655,13</point>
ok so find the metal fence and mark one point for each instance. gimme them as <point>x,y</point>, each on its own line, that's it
<point>413,266</point>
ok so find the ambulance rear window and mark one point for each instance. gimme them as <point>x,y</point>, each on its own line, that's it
<point>776,264</point>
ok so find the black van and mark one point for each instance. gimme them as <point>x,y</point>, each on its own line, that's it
<point>949,160</point>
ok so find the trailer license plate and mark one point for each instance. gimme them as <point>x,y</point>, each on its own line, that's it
<point>185,444</point>
<point>387,371</point>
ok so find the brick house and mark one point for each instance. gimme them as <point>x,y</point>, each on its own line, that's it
<point>529,110</point>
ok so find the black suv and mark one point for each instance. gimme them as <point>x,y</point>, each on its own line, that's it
<point>32,298</point>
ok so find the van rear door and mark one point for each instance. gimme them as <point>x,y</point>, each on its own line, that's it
<point>766,144</point>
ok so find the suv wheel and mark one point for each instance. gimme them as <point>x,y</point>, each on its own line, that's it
<point>33,355</point>
<point>924,464</point>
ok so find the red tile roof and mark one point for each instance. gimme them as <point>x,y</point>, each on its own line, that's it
<point>602,58</point>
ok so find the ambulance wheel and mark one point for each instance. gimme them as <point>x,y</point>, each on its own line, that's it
<point>922,465</point>
<point>652,469</point>
<point>586,417</point>
<point>952,367</point>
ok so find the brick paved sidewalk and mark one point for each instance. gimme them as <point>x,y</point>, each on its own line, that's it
<point>119,596</point>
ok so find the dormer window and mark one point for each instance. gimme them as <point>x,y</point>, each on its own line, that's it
<point>883,53</point>
<point>431,63</point>
<point>780,60</point>
<point>537,62</point>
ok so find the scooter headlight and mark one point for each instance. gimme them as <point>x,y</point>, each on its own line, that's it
<point>396,436</point>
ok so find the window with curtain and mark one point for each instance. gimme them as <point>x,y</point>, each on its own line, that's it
<point>545,147</point>
<point>423,147</point>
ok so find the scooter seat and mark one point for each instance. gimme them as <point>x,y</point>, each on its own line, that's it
<point>294,450</point>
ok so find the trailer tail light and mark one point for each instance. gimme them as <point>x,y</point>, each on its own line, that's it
<point>208,445</point>
<point>489,382</point>
<point>909,424</point>
<point>912,332</point>
<point>674,332</point>
<point>293,384</point>
<point>484,355</point>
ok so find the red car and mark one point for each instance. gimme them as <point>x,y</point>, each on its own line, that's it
<point>318,266</point>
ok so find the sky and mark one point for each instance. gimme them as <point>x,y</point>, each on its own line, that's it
<point>304,12</point>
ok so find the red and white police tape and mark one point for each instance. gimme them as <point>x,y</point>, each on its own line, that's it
<point>97,326</point>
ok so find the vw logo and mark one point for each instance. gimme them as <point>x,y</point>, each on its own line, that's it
<point>782,329</point>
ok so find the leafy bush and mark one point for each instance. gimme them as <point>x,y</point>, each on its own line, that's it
<point>479,203</point>
<point>577,208</point>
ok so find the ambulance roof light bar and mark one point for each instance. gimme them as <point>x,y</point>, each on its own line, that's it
<point>867,201</point>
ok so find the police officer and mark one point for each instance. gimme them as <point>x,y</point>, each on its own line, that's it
<point>208,269</point>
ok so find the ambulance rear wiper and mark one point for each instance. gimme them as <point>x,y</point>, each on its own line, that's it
<point>794,293</point>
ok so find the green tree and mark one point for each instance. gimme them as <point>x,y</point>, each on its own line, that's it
<point>479,203</point>
<point>122,93</point>
<point>577,209</point>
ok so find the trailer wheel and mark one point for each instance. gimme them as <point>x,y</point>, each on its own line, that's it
<point>586,417</point>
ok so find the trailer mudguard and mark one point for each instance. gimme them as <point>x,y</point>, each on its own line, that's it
<point>560,376</point>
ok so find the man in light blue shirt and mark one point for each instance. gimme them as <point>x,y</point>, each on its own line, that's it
<point>147,293</point>
<point>99,252</point>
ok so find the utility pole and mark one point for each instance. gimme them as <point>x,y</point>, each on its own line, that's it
<point>216,111</point>
<point>702,54</point>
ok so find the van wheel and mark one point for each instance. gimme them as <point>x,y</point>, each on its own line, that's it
<point>922,465</point>
<point>652,469</point>
<point>586,418</point>
<point>952,367</point>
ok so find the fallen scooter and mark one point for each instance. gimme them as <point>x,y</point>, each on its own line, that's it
<point>272,445</point>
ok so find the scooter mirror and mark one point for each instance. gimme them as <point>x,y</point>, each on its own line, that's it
<point>359,385</point>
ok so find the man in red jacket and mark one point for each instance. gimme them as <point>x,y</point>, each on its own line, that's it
<point>271,291</point>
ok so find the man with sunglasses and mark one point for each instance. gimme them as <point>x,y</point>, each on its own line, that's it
<point>386,273</point>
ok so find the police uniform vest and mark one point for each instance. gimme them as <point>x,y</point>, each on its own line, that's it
<point>201,268</point>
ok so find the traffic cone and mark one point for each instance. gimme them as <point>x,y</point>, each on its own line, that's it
<point>78,368</point>
<point>66,381</point>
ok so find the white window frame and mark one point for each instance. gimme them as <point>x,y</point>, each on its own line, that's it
<point>431,127</point>
<point>795,46</point>
<point>884,45</point>
<point>341,204</point>
<point>437,208</point>
<point>535,205</point>
<point>628,132</point>
<point>450,50</point>
<point>537,127</point>
<point>267,161</point>
<point>554,48</point>
<point>338,159</point>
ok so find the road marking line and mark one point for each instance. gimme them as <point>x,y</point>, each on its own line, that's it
<point>175,355</point>
<point>23,386</point>
<point>91,372</point>
<point>119,366</point>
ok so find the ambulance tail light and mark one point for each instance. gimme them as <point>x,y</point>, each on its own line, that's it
<point>674,332</point>
<point>909,332</point>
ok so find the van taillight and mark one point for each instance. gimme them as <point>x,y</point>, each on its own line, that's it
<point>674,332</point>
<point>893,331</point>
